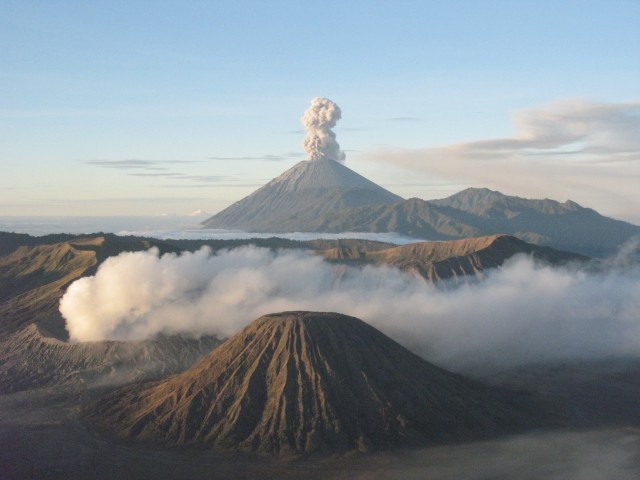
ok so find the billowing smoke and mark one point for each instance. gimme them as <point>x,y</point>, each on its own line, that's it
<point>522,312</point>
<point>320,142</point>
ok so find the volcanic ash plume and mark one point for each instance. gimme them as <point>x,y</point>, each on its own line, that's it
<point>320,142</point>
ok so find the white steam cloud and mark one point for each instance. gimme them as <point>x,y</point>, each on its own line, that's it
<point>521,313</point>
<point>320,142</point>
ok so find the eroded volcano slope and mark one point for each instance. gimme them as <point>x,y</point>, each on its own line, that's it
<point>303,381</point>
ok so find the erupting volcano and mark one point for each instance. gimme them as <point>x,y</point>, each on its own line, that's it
<point>308,190</point>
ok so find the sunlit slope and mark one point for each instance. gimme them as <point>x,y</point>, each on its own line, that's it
<point>34,278</point>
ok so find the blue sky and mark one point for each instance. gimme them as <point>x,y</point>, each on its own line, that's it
<point>121,108</point>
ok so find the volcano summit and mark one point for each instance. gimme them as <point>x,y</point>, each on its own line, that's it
<point>309,190</point>
<point>306,192</point>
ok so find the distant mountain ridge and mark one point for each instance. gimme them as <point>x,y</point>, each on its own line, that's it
<point>452,259</point>
<point>565,226</point>
<point>478,212</point>
<point>325,196</point>
<point>485,202</point>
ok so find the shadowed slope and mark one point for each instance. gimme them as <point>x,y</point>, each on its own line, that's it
<point>29,359</point>
<point>301,382</point>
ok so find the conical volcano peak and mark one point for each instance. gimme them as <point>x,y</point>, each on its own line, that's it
<point>303,317</point>
<point>327,330</point>
<point>300,197</point>
<point>315,174</point>
<point>300,382</point>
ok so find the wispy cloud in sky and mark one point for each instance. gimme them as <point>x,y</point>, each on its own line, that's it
<point>181,176</point>
<point>159,169</point>
<point>403,119</point>
<point>586,151</point>
<point>137,163</point>
<point>267,158</point>
<point>209,185</point>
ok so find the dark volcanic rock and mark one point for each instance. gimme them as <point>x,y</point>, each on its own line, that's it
<point>299,382</point>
